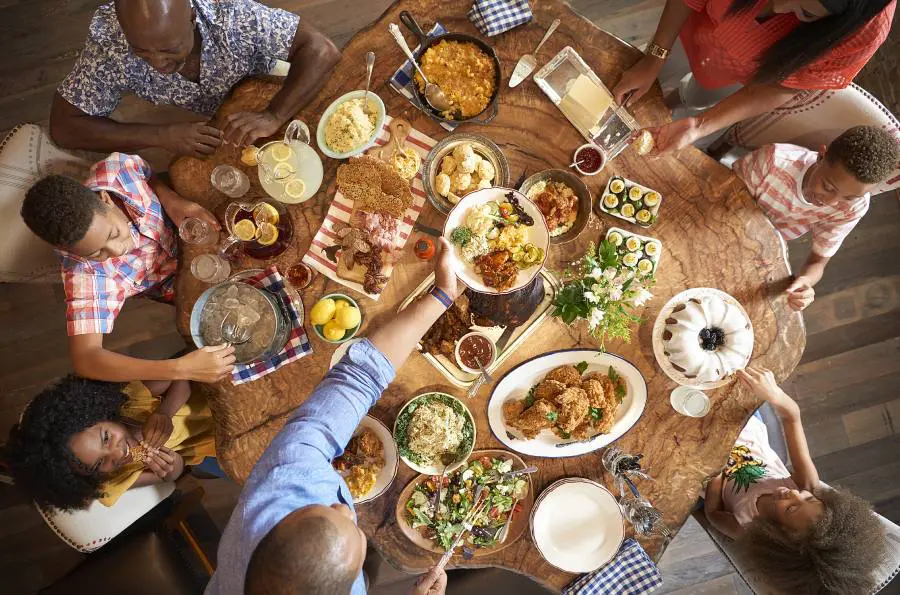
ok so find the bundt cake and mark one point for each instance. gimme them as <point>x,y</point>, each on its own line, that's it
<point>707,338</point>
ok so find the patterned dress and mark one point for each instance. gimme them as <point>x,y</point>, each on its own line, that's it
<point>240,38</point>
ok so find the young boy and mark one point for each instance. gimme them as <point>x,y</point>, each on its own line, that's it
<point>114,240</point>
<point>825,193</point>
<point>803,536</point>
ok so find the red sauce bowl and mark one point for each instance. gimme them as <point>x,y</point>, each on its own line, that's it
<point>475,344</point>
<point>589,159</point>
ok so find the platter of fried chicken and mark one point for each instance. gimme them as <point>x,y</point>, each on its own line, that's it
<point>566,403</point>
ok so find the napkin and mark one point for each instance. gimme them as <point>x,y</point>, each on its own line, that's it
<point>341,208</point>
<point>631,572</point>
<point>402,81</point>
<point>493,17</point>
<point>297,345</point>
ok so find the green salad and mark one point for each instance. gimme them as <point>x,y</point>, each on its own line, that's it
<point>457,499</point>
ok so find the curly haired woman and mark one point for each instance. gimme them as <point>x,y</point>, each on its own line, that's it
<point>81,439</point>
<point>802,535</point>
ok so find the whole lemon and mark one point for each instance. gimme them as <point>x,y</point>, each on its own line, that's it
<point>322,312</point>
<point>340,304</point>
<point>347,317</point>
<point>333,331</point>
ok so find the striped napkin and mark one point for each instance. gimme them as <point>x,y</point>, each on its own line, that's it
<point>402,81</point>
<point>297,345</point>
<point>493,17</point>
<point>342,207</point>
<point>630,573</point>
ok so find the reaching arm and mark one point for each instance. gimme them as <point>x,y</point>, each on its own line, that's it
<point>801,292</point>
<point>714,509</point>
<point>91,360</point>
<point>179,208</point>
<point>763,384</point>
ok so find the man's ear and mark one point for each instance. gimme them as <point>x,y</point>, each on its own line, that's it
<point>106,198</point>
<point>822,150</point>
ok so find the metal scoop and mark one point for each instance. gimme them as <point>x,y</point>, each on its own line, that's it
<point>528,63</point>
<point>433,94</point>
<point>231,332</point>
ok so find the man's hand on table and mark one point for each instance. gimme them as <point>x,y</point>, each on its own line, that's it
<point>433,582</point>
<point>197,139</point>
<point>243,128</point>
<point>208,364</point>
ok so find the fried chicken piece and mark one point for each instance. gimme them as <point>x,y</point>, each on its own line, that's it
<point>574,407</point>
<point>512,409</point>
<point>609,405</point>
<point>368,444</point>
<point>536,418</point>
<point>584,431</point>
<point>607,419</point>
<point>548,389</point>
<point>596,394</point>
<point>568,375</point>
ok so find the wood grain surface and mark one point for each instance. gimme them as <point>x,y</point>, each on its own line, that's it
<point>713,235</point>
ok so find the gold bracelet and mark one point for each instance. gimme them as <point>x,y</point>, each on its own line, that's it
<point>657,51</point>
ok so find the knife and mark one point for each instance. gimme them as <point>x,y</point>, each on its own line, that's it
<point>426,230</point>
<point>505,337</point>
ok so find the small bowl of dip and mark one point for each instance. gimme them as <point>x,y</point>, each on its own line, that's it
<point>589,159</point>
<point>475,348</point>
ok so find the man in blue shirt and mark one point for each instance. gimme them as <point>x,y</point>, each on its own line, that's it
<point>294,527</point>
<point>188,53</point>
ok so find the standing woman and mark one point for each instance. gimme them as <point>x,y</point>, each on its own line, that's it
<point>771,48</point>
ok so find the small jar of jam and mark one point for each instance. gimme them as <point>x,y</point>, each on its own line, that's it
<point>300,275</point>
<point>589,159</point>
<point>424,248</point>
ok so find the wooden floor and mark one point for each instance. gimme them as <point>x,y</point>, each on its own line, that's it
<point>848,383</point>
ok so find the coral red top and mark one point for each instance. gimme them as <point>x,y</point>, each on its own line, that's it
<point>723,49</point>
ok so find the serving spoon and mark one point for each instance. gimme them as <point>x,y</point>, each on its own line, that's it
<point>433,93</point>
<point>370,64</point>
<point>447,459</point>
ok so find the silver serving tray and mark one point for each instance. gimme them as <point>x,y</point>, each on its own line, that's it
<point>448,367</point>
<point>484,146</point>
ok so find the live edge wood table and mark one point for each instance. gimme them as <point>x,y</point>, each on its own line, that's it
<point>712,232</point>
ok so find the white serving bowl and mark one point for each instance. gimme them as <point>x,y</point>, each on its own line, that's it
<point>380,116</point>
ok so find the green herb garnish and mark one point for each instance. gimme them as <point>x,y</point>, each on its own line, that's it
<point>581,367</point>
<point>596,413</point>
<point>529,399</point>
<point>461,235</point>
<point>553,416</point>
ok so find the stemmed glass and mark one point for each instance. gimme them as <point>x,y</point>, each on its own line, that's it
<point>625,467</point>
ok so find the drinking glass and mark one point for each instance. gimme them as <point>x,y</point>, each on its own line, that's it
<point>690,401</point>
<point>196,231</point>
<point>230,181</point>
<point>210,268</point>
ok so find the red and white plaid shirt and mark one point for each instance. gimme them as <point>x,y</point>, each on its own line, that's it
<point>774,176</point>
<point>96,290</point>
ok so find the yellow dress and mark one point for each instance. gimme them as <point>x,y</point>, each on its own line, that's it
<point>192,434</point>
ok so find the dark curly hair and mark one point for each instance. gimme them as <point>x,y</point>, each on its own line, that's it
<point>869,153</point>
<point>38,448</point>
<point>837,555</point>
<point>59,210</point>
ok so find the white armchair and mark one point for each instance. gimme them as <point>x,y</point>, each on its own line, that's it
<point>90,529</point>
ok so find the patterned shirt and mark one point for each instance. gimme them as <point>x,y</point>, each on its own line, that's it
<point>295,470</point>
<point>240,38</point>
<point>724,49</point>
<point>96,290</point>
<point>774,176</point>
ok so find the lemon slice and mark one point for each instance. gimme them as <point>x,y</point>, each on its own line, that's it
<point>250,156</point>
<point>295,188</point>
<point>281,152</point>
<point>265,213</point>
<point>282,171</point>
<point>245,230</point>
<point>268,233</point>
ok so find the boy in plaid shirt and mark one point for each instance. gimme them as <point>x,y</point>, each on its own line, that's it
<point>825,193</point>
<point>115,239</point>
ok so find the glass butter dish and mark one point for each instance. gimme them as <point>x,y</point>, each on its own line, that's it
<point>586,102</point>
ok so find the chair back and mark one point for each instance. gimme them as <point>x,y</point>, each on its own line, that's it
<point>816,117</point>
<point>90,529</point>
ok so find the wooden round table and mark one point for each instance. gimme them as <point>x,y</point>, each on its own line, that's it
<point>712,232</point>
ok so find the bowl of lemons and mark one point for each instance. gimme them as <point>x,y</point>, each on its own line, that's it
<point>336,318</point>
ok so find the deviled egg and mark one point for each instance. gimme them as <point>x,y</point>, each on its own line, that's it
<point>633,244</point>
<point>651,248</point>
<point>635,193</point>
<point>643,216</point>
<point>610,201</point>
<point>627,210</point>
<point>651,199</point>
<point>644,266</point>
<point>616,185</point>
<point>614,238</point>
<point>630,259</point>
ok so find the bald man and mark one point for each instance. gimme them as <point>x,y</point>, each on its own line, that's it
<point>294,530</point>
<point>188,53</point>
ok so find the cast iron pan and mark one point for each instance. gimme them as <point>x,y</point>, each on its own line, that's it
<point>426,41</point>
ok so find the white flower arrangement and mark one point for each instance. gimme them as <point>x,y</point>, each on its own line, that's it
<point>602,290</point>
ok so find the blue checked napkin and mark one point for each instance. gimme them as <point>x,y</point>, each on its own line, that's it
<point>402,81</point>
<point>297,345</point>
<point>631,572</point>
<point>493,17</point>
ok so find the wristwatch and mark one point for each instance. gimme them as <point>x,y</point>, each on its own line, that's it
<point>657,51</point>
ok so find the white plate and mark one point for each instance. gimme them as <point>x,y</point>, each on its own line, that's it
<point>659,349</point>
<point>341,350</point>
<point>380,116</point>
<point>308,167</point>
<point>577,525</point>
<point>391,458</point>
<point>518,381</point>
<point>437,468</point>
<point>537,235</point>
